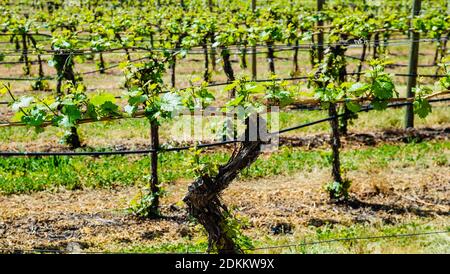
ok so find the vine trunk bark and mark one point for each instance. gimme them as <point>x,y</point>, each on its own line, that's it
<point>244,57</point>
<point>228,69</point>
<point>295,57</point>
<point>335,143</point>
<point>27,69</point>
<point>154,182</point>
<point>213,52</point>
<point>203,197</point>
<point>206,67</point>
<point>102,63</point>
<point>271,57</point>
<point>66,72</point>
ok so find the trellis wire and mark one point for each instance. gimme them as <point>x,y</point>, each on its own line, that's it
<point>234,48</point>
<point>176,149</point>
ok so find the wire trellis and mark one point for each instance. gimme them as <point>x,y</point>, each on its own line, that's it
<point>167,148</point>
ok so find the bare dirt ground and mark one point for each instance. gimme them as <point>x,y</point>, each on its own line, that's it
<point>95,220</point>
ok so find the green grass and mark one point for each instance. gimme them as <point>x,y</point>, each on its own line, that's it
<point>25,175</point>
<point>182,247</point>
<point>324,238</point>
<point>312,240</point>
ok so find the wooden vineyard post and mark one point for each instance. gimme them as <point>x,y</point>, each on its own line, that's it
<point>154,183</point>
<point>412,69</point>
<point>254,73</point>
<point>320,39</point>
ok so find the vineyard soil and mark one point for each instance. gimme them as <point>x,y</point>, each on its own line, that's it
<point>406,195</point>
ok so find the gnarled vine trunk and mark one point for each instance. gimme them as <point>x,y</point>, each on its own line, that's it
<point>213,51</point>
<point>154,182</point>
<point>271,57</point>
<point>295,57</point>
<point>335,143</point>
<point>204,204</point>
<point>338,51</point>
<point>65,71</point>
<point>312,52</point>
<point>101,63</point>
<point>73,139</point>
<point>173,65</point>
<point>203,197</point>
<point>127,52</point>
<point>334,67</point>
<point>244,57</point>
<point>27,68</point>
<point>206,65</point>
<point>376,45</point>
